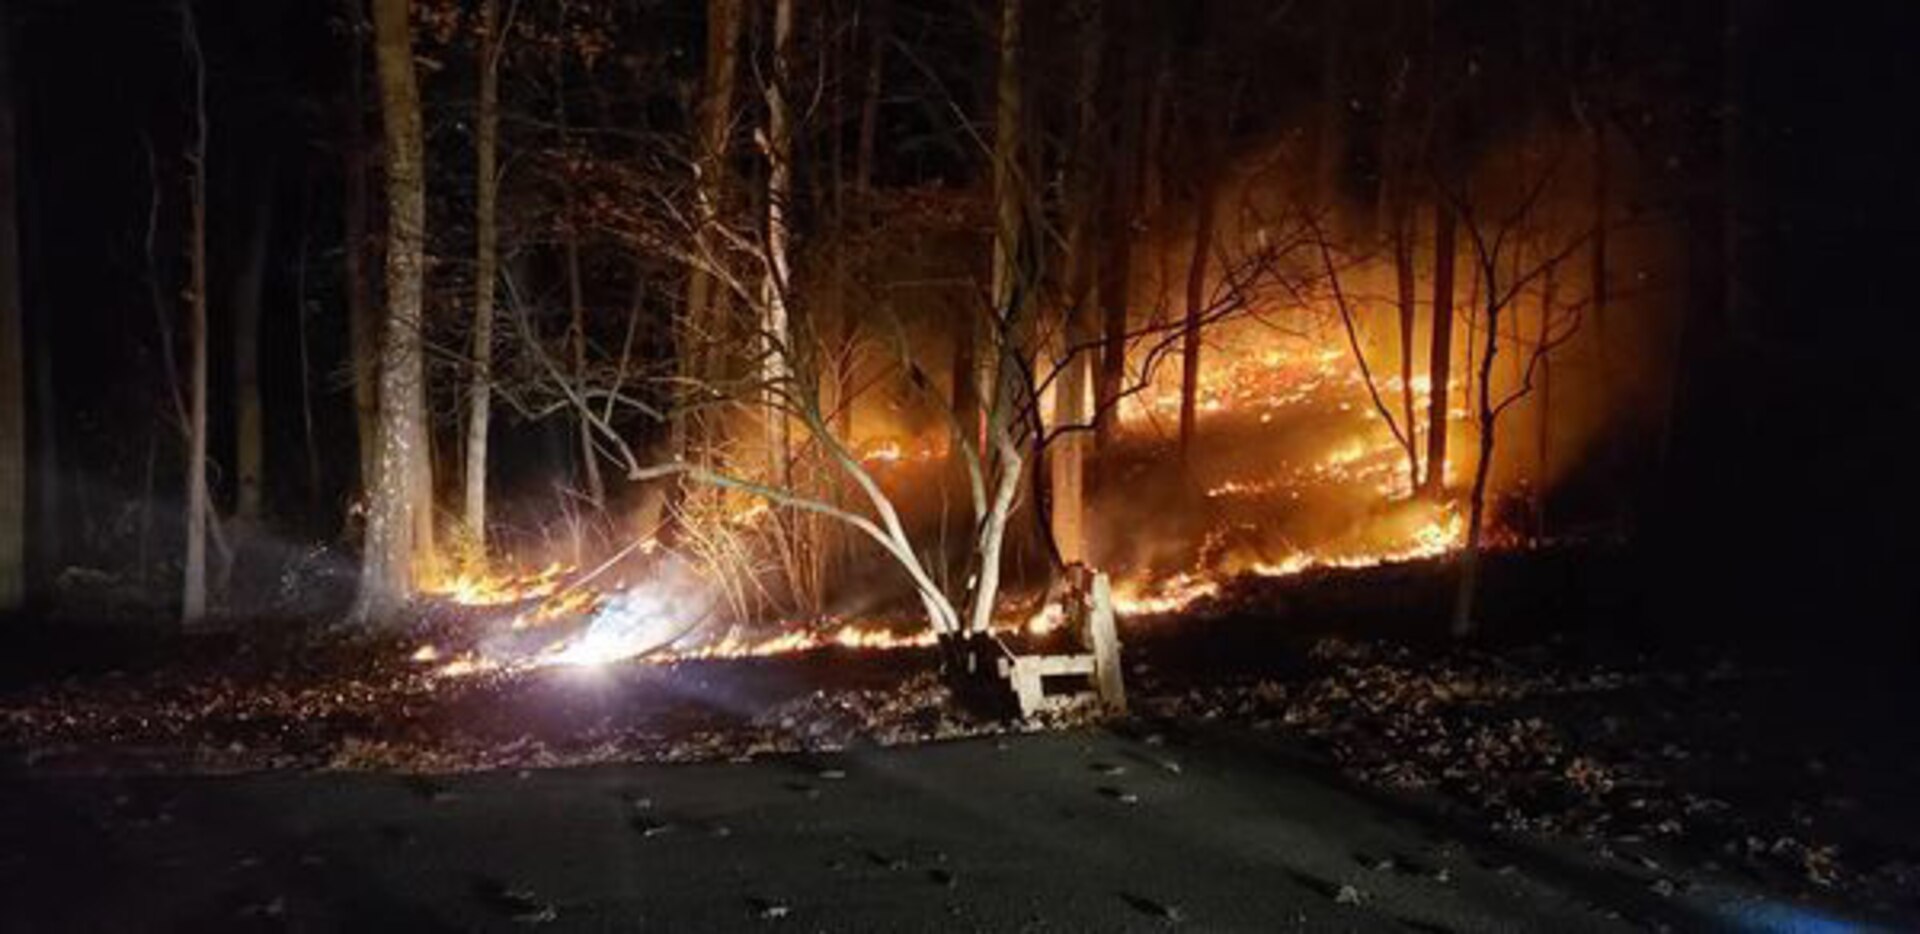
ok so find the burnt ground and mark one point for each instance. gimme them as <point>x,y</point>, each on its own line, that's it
<point>1303,750</point>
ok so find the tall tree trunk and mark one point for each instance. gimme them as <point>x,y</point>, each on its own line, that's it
<point>1440,361</point>
<point>705,309</point>
<point>363,322</point>
<point>1067,457</point>
<point>486,273</point>
<point>1151,163</point>
<point>1404,289</point>
<point>878,34</point>
<point>596,489</point>
<point>577,339</point>
<point>1009,196</point>
<point>1116,275</point>
<point>248,289</point>
<point>780,346</point>
<point>846,358</point>
<point>300,305</point>
<point>387,567</point>
<point>1602,296</point>
<point>193,594</point>
<point>421,447</point>
<point>1542,466</point>
<point>1008,338</point>
<point>965,397</point>
<point>1116,270</point>
<point>1196,308</point>
<point>1465,620</point>
<point>1473,302</point>
<point>13,386</point>
<point>1330,139</point>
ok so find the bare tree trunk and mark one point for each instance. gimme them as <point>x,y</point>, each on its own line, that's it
<point>1009,204</point>
<point>193,595</point>
<point>13,386</point>
<point>1330,140</point>
<point>1068,456</point>
<point>1473,302</point>
<point>424,546</point>
<point>1440,361</point>
<point>1151,165</point>
<point>879,23</point>
<point>1465,623</point>
<point>1116,277</point>
<point>1116,260</point>
<point>1010,383</point>
<point>846,341</point>
<point>577,339</point>
<point>774,326</point>
<point>1602,295</point>
<point>363,323</point>
<point>966,379</point>
<point>306,358</point>
<point>1542,448</point>
<point>1196,309</point>
<point>486,273</point>
<point>387,568</point>
<point>1404,288</point>
<point>596,490</point>
<point>249,284</point>
<point>705,306</point>
<point>1116,272</point>
<point>1066,461</point>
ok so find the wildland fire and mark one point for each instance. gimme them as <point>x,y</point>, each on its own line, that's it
<point>986,465</point>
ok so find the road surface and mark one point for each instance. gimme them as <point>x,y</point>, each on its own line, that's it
<point>1077,831</point>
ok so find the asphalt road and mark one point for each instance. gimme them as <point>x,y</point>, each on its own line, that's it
<point>1083,831</point>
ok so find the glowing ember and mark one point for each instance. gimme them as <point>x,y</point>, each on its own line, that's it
<point>1049,619</point>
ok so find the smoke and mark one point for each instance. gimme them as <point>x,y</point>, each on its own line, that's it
<point>663,611</point>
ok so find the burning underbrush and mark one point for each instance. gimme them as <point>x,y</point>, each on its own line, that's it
<point>1294,474</point>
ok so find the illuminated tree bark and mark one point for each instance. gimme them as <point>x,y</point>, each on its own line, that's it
<point>1011,386</point>
<point>1404,292</point>
<point>1196,309</point>
<point>13,395</point>
<point>486,272</point>
<point>1066,461</point>
<point>1440,360</point>
<point>775,324</point>
<point>388,561</point>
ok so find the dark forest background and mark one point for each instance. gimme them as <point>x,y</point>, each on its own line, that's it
<point>1784,508</point>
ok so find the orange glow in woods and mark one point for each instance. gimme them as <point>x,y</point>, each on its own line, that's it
<point>1350,457</point>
